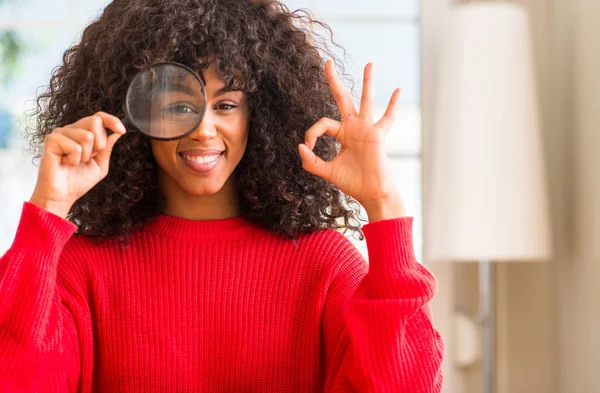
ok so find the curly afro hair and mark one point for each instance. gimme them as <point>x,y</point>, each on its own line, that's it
<point>273,54</point>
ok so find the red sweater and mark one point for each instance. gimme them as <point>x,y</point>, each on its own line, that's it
<point>214,306</point>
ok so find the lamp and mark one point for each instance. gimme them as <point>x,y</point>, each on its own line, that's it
<point>489,201</point>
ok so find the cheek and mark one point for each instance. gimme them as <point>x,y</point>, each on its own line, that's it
<point>241,143</point>
<point>235,136</point>
<point>242,135</point>
<point>164,153</point>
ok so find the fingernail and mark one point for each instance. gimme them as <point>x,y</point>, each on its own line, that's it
<point>122,128</point>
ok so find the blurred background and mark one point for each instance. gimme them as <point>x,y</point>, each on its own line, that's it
<point>545,314</point>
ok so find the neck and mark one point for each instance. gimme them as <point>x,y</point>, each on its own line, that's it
<point>221,205</point>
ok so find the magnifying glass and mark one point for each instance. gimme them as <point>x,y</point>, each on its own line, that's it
<point>165,101</point>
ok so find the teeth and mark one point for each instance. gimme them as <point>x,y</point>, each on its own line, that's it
<point>201,159</point>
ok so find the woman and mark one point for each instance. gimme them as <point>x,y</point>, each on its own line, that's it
<point>212,262</point>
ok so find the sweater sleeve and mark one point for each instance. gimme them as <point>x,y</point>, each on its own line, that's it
<point>377,326</point>
<point>40,334</point>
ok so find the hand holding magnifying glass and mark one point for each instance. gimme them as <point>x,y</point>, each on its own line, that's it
<point>165,101</point>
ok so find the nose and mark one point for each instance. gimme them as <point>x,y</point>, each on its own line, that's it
<point>206,130</point>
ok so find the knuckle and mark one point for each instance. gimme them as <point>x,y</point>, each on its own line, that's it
<point>87,137</point>
<point>325,120</point>
<point>96,119</point>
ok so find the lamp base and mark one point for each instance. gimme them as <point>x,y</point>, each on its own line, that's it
<point>487,307</point>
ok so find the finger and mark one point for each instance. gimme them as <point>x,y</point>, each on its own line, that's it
<point>366,102</point>
<point>313,164</point>
<point>324,126</point>
<point>63,148</point>
<point>103,158</point>
<point>112,122</point>
<point>340,94</point>
<point>390,113</point>
<point>97,128</point>
<point>84,138</point>
<point>108,121</point>
<point>98,124</point>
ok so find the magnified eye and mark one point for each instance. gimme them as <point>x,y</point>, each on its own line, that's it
<point>180,108</point>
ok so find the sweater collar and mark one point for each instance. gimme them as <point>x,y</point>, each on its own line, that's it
<point>186,229</point>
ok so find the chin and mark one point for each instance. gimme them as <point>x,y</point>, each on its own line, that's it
<point>203,189</point>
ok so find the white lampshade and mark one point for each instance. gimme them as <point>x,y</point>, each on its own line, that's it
<point>489,189</point>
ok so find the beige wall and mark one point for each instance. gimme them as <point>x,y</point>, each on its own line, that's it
<point>548,314</point>
<point>552,314</point>
<point>579,274</point>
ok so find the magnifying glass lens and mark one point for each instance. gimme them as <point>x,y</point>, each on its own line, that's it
<point>166,101</point>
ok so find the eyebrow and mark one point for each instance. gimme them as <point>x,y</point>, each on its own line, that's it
<point>226,89</point>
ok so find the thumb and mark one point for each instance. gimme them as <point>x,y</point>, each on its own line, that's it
<point>103,158</point>
<point>313,164</point>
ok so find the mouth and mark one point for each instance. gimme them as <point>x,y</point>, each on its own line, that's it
<point>204,163</point>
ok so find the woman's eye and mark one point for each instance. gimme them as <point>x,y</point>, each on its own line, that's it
<point>180,109</point>
<point>226,107</point>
